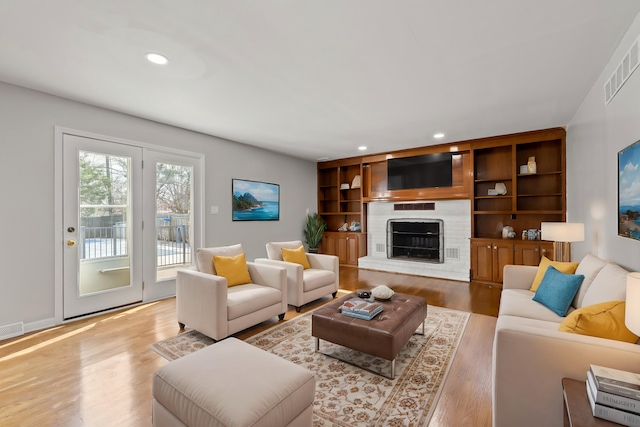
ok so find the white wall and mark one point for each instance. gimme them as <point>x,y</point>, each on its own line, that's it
<point>594,136</point>
<point>27,120</point>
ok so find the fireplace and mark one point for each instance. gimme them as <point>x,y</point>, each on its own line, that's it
<point>415,239</point>
<point>455,252</point>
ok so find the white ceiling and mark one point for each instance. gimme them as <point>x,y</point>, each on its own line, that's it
<point>319,78</point>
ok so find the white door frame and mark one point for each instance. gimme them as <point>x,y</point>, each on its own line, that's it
<point>198,220</point>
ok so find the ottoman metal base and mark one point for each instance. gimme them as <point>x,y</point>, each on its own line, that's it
<point>392,369</point>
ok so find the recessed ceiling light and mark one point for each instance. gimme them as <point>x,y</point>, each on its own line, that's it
<point>438,135</point>
<point>156,58</point>
<point>362,148</point>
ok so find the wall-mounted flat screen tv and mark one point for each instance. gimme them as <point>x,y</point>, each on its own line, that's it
<point>426,171</point>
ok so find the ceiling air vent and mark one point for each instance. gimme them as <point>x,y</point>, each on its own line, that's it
<point>623,71</point>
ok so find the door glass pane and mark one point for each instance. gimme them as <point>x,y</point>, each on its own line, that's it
<point>173,218</point>
<point>104,229</point>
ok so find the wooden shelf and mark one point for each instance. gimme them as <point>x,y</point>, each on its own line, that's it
<point>530,175</point>
<point>541,195</point>
<point>530,199</point>
<point>337,206</point>
<point>540,213</point>
<point>493,180</point>
<point>493,212</point>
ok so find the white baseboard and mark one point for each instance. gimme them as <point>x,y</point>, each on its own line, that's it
<point>39,325</point>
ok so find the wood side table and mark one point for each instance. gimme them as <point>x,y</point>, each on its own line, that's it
<point>577,412</point>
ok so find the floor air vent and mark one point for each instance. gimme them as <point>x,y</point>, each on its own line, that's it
<point>13,330</point>
<point>625,69</point>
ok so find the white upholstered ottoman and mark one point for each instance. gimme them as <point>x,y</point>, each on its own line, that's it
<point>232,383</point>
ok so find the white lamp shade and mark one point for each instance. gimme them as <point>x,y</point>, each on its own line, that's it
<point>632,310</point>
<point>562,231</point>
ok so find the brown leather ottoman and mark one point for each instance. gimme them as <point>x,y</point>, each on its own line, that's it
<point>383,336</point>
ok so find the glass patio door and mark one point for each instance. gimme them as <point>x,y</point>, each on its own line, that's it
<point>102,209</point>
<point>171,215</point>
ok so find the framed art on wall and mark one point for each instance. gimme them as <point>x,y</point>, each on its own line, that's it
<point>255,200</point>
<point>629,191</point>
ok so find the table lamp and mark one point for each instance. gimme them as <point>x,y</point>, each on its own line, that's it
<point>562,234</point>
<point>632,310</point>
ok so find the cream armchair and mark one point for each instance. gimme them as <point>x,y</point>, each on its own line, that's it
<point>303,286</point>
<point>205,302</point>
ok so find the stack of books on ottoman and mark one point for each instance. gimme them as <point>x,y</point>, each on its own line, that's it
<point>614,395</point>
<point>361,309</point>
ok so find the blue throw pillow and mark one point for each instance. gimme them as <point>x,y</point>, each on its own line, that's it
<point>557,290</point>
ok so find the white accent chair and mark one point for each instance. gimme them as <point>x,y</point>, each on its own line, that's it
<point>205,302</point>
<point>304,286</point>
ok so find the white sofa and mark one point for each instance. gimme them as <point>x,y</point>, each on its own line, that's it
<point>530,355</point>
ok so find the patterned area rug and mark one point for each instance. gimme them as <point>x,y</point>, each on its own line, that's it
<point>350,396</point>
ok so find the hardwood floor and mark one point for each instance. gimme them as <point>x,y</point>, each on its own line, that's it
<point>97,371</point>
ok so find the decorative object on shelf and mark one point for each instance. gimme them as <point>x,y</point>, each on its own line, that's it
<point>531,165</point>
<point>355,226</point>
<point>501,188</point>
<point>507,232</point>
<point>628,207</point>
<point>344,186</point>
<point>313,231</point>
<point>533,234</point>
<point>382,292</point>
<point>356,182</point>
<point>492,192</point>
<point>562,234</point>
<point>632,309</point>
<point>344,227</point>
<point>524,169</point>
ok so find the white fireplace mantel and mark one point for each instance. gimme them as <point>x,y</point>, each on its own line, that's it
<point>456,215</point>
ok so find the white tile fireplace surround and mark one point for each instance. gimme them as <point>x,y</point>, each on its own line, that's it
<point>456,215</point>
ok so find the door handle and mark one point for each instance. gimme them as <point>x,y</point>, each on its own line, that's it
<point>71,242</point>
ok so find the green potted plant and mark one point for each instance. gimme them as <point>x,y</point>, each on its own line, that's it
<point>313,231</point>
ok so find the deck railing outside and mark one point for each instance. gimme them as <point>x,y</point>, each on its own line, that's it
<point>172,242</point>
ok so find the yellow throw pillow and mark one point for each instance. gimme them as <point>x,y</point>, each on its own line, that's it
<point>297,256</point>
<point>232,268</point>
<point>562,267</point>
<point>604,320</point>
